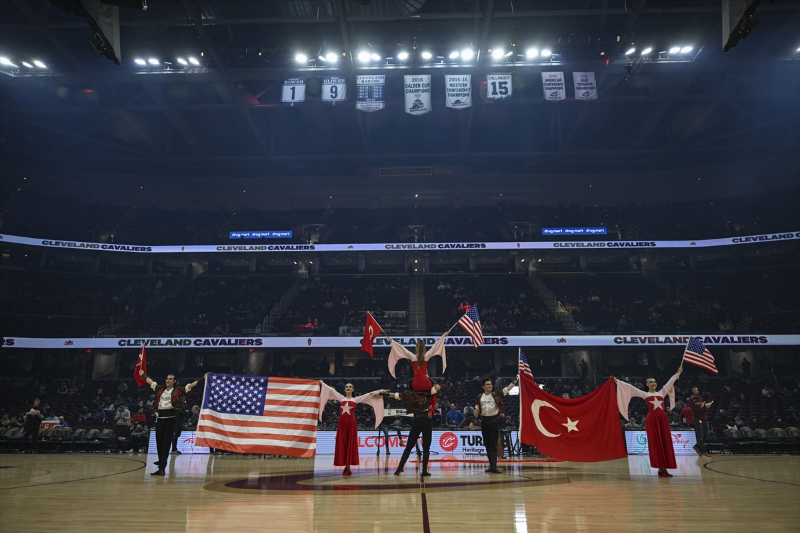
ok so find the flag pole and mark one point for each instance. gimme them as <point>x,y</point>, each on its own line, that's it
<point>519,427</point>
<point>684,351</point>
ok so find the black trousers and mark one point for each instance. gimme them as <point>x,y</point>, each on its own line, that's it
<point>178,430</point>
<point>491,432</point>
<point>422,425</point>
<point>165,431</point>
<point>385,428</point>
<point>31,434</point>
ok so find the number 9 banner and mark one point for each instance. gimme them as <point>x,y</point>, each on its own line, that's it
<point>334,90</point>
<point>498,86</point>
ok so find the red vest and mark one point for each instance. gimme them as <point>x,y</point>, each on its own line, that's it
<point>177,396</point>
<point>498,400</point>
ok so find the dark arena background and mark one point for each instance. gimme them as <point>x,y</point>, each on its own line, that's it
<point>232,189</point>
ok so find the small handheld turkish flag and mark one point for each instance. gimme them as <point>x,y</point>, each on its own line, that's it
<point>371,332</point>
<point>141,364</point>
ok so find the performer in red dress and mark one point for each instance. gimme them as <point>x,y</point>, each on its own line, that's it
<point>659,438</point>
<point>346,453</point>
<point>419,362</point>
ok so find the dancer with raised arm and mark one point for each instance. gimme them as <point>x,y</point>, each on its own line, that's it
<point>419,362</point>
<point>659,438</point>
<point>346,453</point>
<point>418,404</point>
<point>489,407</point>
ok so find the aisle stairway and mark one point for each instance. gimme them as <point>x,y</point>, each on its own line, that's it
<point>416,306</point>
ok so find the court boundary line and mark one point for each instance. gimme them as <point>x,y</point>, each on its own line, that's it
<point>744,477</point>
<point>142,465</point>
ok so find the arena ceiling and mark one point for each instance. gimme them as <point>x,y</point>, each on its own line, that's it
<point>223,116</point>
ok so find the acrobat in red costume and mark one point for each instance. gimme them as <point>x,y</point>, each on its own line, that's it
<point>659,437</point>
<point>346,453</point>
<point>420,364</point>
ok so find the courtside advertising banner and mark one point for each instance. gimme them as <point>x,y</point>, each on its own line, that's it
<point>585,86</point>
<point>682,442</point>
<point>74,246</point>
<point>458,90</point>
<point>369,92</point>
<point>498,86</point>
<point>492,342</point>
<point>553,86</point>
<point>417,89</point>
<point>293,92</point>
<point>334,90</point>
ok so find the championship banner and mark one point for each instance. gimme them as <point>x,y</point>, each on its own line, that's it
<point>334,90</point>
<point>498,86</point>
<point>369,92</point>
<point>75,246</point>
<point>678,342</point>
<point>293,92</point>
<point>585,86</point>
<point>458,90</point>
<point>553,86</point>
<point>418,94</point>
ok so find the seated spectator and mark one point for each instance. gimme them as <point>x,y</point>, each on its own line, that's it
<point>191,424</point>
<point>122,387</point>
<point>63,388</point>
<point>73,389</point>
<point>686,414</point>
<point>62,422</point>
<point>454,417</point>
<point>122,441</point>
<point>138,438</point>
<point>100,414</point>
<point>139,416</point>
<point>14,423</point>
<point>5,421</point>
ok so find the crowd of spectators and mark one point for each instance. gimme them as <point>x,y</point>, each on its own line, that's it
<point>30,214</point>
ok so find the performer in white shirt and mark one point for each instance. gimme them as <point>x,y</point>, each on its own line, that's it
<point>489,407</point>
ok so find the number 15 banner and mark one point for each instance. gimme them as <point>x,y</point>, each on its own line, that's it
<point>293,92</point>
<point>498,86</point>
<point>334,90</point>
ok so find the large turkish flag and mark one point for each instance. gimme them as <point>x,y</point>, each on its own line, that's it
<point>582,430</point>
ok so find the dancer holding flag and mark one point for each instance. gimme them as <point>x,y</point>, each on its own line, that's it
<point>346,453</point>
<point>659,438</point>
<point>141,365</point>
<point>489,407</point>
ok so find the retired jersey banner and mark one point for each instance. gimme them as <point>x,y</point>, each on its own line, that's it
<point>293,92</point>
<point>458,90</point>
<point>418,94</point>
<point>498,86</point>
<point>334,90</point>
<point>554,87</point>
<point>369,92</point>
<point>585,86</point>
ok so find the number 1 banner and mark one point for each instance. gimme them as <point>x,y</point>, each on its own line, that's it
<point>585,86</point>
<point>334,90</point>
<point>294,91</point>
<point>458,90</point>
<point>498,86</point>
<point>554,87</point>
<point>418,94</point>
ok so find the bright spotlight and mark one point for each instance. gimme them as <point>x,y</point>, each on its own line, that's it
<point>301,58</point>
<point>426,55</point>
<point>322,58</point>
<point>546,53</point>
<point>402,56</point>
<point>39,64</point>
<point>182,61</point>
<point>26,64</point>
<point>333,58</point>
<point>454,55</point>
<point>153,61</point>
<point>533,52</point>
<point>508,54</point>
<point>193,61</point>
<point>140,61</point>
<point>674,49</point>
<point>629,52</point>
<point>375,57</point>
<point>646,51</point>
<point>498,53</point>
<point>5,61</point>
<point>467,54</point>
<point>363,57</point>
<point>686,49</point>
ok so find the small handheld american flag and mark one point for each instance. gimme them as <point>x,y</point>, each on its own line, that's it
<point>697,354</point>
<point>524,367</point>
<point>471,323</point>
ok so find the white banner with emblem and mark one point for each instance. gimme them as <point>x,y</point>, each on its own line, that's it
<point>554,87</point>
<point>458,90</point>
<point>498,86</point>
<point>585,86</point>
<point>334,90</point>
<point>293,92</point>
<point>369,92</point>
<point>418,94</point>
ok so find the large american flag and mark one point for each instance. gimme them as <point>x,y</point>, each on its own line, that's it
<point>254,414</point>
<point>524,367</point>
<point>697,354</point>
<point>471,323</point>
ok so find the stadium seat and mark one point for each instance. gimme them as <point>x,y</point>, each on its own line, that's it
<point>713,442</point>
<point>735,442</point>
<point>749,436</point>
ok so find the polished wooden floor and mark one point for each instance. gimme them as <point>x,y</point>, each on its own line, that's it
<point>201,493</point>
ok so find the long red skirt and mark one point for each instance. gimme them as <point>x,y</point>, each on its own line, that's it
<point>659,440</point>
<point>422,383</point>
<point>346,453</point>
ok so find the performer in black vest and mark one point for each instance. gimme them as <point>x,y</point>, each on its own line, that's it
<point>489,407</point>
<point>417,403</point>
<point>169,398</point>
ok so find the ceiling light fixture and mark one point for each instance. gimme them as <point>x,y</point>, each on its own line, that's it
<point>26,64</point>
<point>375,57</point>
<point>193,61</point>
<point>153,61</point>
<point>39,63</point>
<point>498,53</point>
<point>363,57</point>
<point>454,55</point>
<point>402,56</point>
<point>646,51</point>
<point>426,55</point>
<point>467,54</point>
<point>182,61</point>
<point>629,52</point>
<point>546,53</point>
<point>686,49</point>
<point>533,52</point>
<point>333,58</point>
<point>301,58</point>
<point>674,49</point>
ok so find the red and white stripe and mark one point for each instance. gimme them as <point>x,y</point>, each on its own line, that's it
<point>287,427</point>
<point>703,360</point>
<point>473,329</point>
